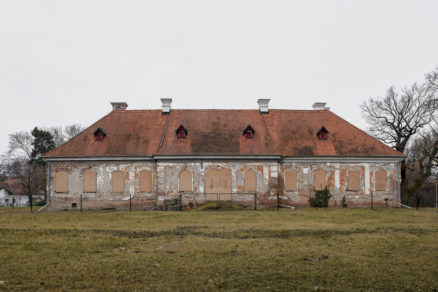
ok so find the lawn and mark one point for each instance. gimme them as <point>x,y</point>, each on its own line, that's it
<point>305,249</point>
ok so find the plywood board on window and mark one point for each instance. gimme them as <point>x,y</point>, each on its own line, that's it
<point>90,182</point>
<point>218,181</point>
<point>145,181</point>
<point>117,181</point>
<point>250,181</point>
<point>380,176</point>
<point>320,179</point>
<point>353,181</point>
<point>291,180</point>
<point>61,182</point>
<point>185,181</point>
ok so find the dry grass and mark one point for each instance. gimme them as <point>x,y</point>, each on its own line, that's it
<point>337,249</point>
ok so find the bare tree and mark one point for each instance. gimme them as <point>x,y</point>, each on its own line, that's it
<point>421,162</point>
<point>432,80</point>
<point>62,135</point>
<point>20,143</point>
<point>58,135</point>
<point>398,117</point>
<point>23,163</point>
<point>72,131</point>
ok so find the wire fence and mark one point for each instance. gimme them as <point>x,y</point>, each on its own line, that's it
<point>182,202</point>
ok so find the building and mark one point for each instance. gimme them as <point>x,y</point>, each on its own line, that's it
<point>12,194</point>
<point>153,156</point>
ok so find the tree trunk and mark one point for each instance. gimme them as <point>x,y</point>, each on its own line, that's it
<point>403,183</point>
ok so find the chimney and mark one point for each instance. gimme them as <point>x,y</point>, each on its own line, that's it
<point>119,105</point>
<point>263,105</point>
<point>320,106</point>
<point>166,102</point>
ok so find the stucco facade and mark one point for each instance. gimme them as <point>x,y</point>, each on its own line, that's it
<point>270,180</point>
<point>148,158</point>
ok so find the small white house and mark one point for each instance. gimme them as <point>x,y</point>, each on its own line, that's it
<point>7,199</point>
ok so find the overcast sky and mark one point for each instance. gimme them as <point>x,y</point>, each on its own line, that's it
<point>63,62</point>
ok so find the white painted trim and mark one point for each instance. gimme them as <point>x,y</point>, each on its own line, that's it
<point>101,158</point>
<point>217,157</point>
<point>347,159</point>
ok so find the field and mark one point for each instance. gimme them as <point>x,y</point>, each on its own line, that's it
<point>306,249</point>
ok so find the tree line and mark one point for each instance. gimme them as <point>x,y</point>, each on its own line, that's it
<point>23,163</point>
<point>407,120</point>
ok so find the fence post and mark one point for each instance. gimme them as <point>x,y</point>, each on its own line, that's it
<point>30,203</point>
<point>180,202</point>
<point>218,203</point>
<point>130,203</point>
<point>255,201</point>
<point>372,200</point>
<point>81,203</point>
<point>278,201</point>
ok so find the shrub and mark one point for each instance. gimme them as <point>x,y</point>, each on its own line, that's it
<point>321,198</point>
<point>40,202</point>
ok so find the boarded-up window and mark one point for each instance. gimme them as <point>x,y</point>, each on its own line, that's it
<point>353,181</point>
<point>90,182</point>
<point>291,180</point>
<point>61,182</point>
<point>185,181</point>
<point>380,180</point>
<point>320,180</point>
<point>250,181</point>
<point>218,181</point>
<point>145,181</point>
<point>117,181</point>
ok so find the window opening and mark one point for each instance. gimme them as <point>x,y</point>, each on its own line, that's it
<point>249,132</point>
<point>181,132</point>
<point>322,133</point>
<point>99,134</point>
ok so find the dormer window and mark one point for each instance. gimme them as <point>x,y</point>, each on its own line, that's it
<point>249,132</point>
<point>322,133</point>
<point>99,134</point>
<point>181,132</point>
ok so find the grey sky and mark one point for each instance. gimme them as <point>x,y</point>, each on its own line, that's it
<point>62,62</point>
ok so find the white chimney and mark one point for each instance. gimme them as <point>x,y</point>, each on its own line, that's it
<point>165,103</point>
<point>263,105</point>
<point>119,105</point>
<point>320,106</point>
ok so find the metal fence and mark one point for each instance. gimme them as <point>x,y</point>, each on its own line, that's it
<point>183,201</point>
<point>219,201</point>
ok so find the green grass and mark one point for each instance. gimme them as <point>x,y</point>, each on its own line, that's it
<point>306,249</point>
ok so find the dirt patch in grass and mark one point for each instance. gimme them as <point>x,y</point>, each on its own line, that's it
<point>384,250</point>
<point>202,231</point>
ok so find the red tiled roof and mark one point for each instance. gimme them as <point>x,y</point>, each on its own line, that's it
<point>213,132</point>
<point>13,186</point>
<point>294,134</point>
<point>128,133</point>
<point>220,132</point>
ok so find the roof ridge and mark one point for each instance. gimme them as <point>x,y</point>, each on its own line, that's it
<point>220,109</point>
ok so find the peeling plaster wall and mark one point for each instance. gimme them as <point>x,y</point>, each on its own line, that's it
<point>337,182</point>
<point>269,174</point>
<point>103,197</point>
<point>168,174</point>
